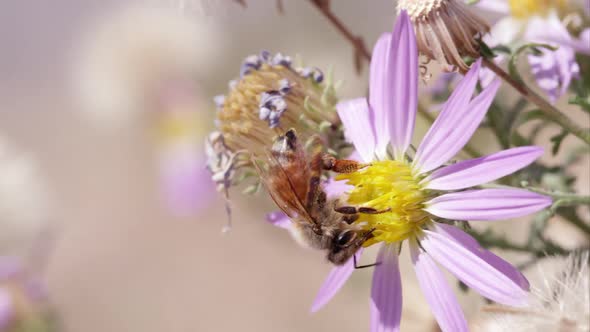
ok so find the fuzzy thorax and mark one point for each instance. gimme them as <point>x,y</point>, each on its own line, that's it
<point>389,185</point>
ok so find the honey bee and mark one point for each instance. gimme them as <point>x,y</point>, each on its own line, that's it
<point>293,180</point>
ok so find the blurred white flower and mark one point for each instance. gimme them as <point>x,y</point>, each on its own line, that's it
<point>559,300</point>
<point>124,59</point>
<point>24,203</point>
<point>143,63</point>
<point>196,7</point>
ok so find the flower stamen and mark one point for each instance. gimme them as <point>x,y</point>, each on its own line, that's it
<point>390,187</point>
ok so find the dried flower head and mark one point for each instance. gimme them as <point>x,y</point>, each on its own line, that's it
<point>446,30</point>
<point>270,97</point>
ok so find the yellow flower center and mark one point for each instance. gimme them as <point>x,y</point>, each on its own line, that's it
<point>527,8</point>
<point>172,127</point>
<point>389,185</point>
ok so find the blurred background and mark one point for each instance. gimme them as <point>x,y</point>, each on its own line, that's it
<point>84,88</point>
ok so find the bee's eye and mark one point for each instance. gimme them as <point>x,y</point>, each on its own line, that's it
<point>345,238</point>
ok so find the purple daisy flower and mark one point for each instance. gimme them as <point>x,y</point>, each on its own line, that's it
<point>413,190</point>
<point>186,183</point>
<point>538,22</point>
<point>6,309</point>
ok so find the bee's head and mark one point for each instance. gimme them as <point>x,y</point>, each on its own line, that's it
<point>344,245</point>
<point>286,142</point>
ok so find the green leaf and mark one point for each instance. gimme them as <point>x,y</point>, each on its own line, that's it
<point>531,115</point>
<point>584,103</point>
<point>557,140</point>
<point>485,50</point>
<point>501,49</point>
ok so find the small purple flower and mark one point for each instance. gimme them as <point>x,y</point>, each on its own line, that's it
<point>6,309</point>
<point>252,62</point>
<point>273,105</point>
<point>184,177</point>
<point>219,101</point>
<point>421,191</point>
<point>185,180</point>
<point>281,60</point>
<point>553,70</point>
<point>312,72</point>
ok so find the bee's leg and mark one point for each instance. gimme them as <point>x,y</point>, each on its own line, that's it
<point>313,192</point>
<point>346,209</point>
<point>355,210</point>
<point>330,163</point>
<point>364,238</point>
<point>358,267</point>
<point>350,218</point>
<point>370,210</point>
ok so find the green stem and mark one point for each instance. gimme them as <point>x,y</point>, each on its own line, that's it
<point>547,108</point>
<point>494,116</point>
<point>560,201</point>
<point>571,216</point>
<point>564,199</point>
<point>568,199</point>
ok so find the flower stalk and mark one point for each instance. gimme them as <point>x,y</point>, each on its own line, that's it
<point>361,51</point>
<point>560,200</point>
<point>547,108</point>
<point>568,199</point>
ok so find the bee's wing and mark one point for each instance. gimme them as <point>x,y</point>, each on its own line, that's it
<point>281,189</point>
<point>314,187</point>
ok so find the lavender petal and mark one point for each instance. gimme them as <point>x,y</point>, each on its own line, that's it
<point>473,269</point>
<point>386,291</point>
<point>487,204</point>
<point>443,302</point>
<point>356,118</point>
<point>477,171</point>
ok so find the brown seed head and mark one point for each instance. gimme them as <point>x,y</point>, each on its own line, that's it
<point>270,97</point>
